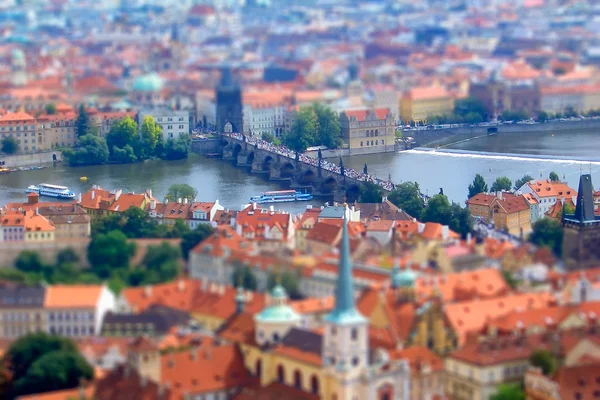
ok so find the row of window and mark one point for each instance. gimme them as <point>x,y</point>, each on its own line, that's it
<point>373,143</point>
<point>83,330</point>
<point>70,315</point>
<point>18,316</point>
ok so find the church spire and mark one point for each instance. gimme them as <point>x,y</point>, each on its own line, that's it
<point>584,210</point>
<point>345,309</point>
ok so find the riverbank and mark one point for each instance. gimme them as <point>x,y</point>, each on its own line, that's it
<point>32,159</point>
<point>448,137</point>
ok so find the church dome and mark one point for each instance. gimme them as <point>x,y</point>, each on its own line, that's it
<point>405,278</point>
<point>148,83</point>
<point>279,311</point>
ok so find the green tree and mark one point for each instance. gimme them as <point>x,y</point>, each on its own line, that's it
<point>509,279</point>
<point>177,149</point>
<point>107,223</point>
<point>289,280</point>
<point>478,186</point>
<point>92,150</point>
<point>327,128</point>
<point>460,220</point>
<point>244,274</point>
<point>137,224</point>
<point>161,263</point>
<point>26,360</point>
<point>406,196</point>
<point>470,108</point>
<point>508,392</point>
<point>501,183</point>
<point>543,116</point>
<point>123,155</point>
<point>192,238</point>
<point>181,191</point>
<point>50,109</point>
<point>54,371</point>
<point>67,256</point>
<point>29,261</point>
<point>83,122</point>
<point>123,133</point>
<point>548,232</point>
<point>302,132</point>
<point>10,145</point>
<point>543,359</point>
<point>151,135</point>
<point>110,251</point>
<point>370,193</point>
<point>554,177</point>
<point>438,210</point>
<point>267,137</point>
<point>520,182</point>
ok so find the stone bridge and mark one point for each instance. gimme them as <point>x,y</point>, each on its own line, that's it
<point>290,172</point>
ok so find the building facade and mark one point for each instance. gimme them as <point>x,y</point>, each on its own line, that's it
<point>421,103</point>
<point>368,131</point>
<point>174,123</point>
<point>29,135</point>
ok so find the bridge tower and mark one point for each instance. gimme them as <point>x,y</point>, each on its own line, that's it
<point>230,111</point>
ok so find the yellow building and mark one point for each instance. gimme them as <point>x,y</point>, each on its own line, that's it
<point>508,212</point>
<point>23,127</point>
<point>98,202</point>
<point>37,228</point>
<point>368,131</point>
<point>60,129</point>
<point>420,103</point>
<point>332,364</point>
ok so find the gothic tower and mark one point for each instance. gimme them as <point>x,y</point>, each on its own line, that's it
<point>345,344</point>
<point>581,236</point>
<point>230,111</point>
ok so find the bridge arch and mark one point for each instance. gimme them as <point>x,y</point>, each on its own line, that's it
<point>266,164</point>
<point>287,170</point>
<point>352,193</point>
<point>251,157</point>
<point>329,185</point>
<point>308,177</point>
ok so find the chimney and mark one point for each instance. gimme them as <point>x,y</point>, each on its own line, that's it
<point>148,290</point>
<point>179,200</point>
<point>149,192</point>
<point>33,198</point>
<point>253,206</point>
<point>79,198</point>
<point>37,211</point>
<point>272,209</point>
<point>185,200</point>
<point>469,238</point>
<point>118,194</point>
<point>445,232</point>
<point>194,353</point>
<point>93,194</point>
<point>153,204</point>
<point>181,285</point>
<point>499,194</point>
<point>421,227</point>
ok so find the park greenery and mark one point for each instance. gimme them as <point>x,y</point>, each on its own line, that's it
<point>438,208</point>
<point>478,186</point>
<point>10,145</point>
<point>39,362</point>
<point>124,143</point>
<point>317,125</point>
<point>110,254</point>
<point>181,191</point>
<point>548,232</point>
<point>507,391</point>
<point>544,360</point>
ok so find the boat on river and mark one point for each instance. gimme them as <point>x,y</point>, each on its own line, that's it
<point>281,196</point>
<point>45,189</point>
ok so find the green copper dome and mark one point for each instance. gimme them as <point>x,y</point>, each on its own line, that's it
<point>148,83</point>
<point>405,278</point>
<point>279,311</point>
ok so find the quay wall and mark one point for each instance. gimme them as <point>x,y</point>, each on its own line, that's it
<point>31,159</point>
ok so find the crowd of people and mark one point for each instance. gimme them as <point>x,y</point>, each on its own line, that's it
<point>326,165</point>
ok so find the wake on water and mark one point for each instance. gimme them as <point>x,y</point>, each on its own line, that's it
<point>501,156</point>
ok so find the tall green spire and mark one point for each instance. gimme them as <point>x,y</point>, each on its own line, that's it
<point>345,311</point>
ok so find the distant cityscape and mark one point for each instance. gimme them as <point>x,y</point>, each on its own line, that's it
<point>339,277</point>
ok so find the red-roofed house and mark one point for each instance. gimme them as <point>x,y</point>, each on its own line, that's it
<point>269,228</point>
<point>421,103</point>
<point>368,131</point>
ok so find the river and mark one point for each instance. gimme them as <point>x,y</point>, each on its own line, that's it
<point>452,169</point>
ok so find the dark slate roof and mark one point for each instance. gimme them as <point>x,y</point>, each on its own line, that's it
<point>22,296</point>
<point>161,317</point>
<point>385,210</point>
<point>584,209</point>
<point>303,340</point>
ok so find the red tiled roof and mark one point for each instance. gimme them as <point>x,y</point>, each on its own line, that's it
<point>361,115</point>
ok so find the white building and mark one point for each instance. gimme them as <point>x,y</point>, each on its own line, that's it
<point>259,119</point>
<point>77,310</point>
<point>547,193</point>
<point>174,123</point>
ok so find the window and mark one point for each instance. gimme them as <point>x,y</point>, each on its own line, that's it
<point>333,331</point>
<point>354,334</point>
<point>491,376</point>
<point>355,361</point>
